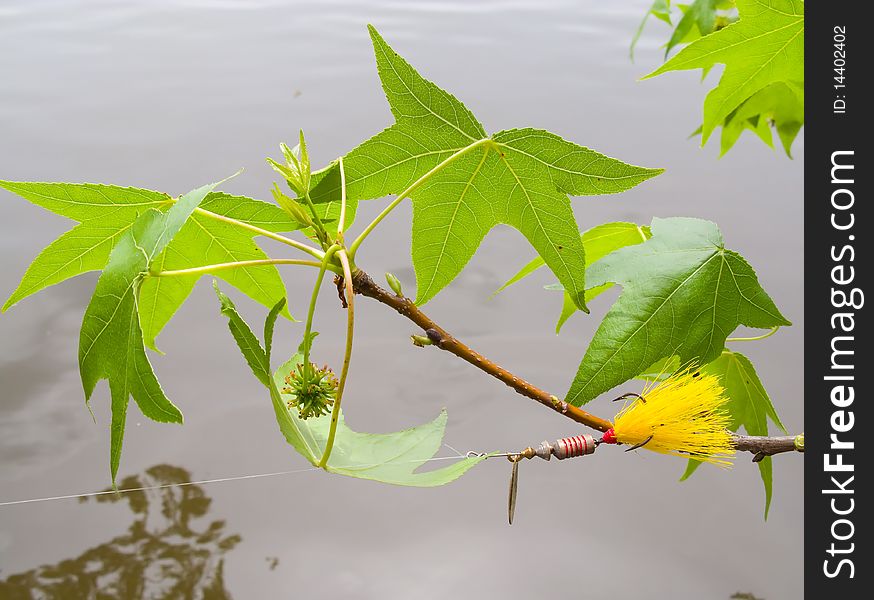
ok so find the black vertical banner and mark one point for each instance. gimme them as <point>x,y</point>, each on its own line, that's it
<point>837,171</point>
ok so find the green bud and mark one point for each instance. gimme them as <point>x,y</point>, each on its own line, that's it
<point>296,169</point>
<point>294,208</point>
<point>799,442</point>
<point>394,284</point>
<point>304,162</point>
<point>421,340</point>
<point>290,174</point>
<point>290,155</point>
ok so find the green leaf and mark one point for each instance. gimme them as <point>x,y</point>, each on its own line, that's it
<point>462,183</point>
<point>765,46</point>
<point>779,103</point>
<point>598,242</point>
<point>389,457</point>
<point>749,406</point>
<point>106,212</point>
<point>683,293</point>
<point>701,15</point>
<point>250,347</point>
<point>207,241</point>
<point>111,340</point>
<point>660,9</point>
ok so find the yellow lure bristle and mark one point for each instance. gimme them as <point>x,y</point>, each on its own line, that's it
<point>684,415</point>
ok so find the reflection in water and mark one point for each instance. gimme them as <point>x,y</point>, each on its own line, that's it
<point>160,556</point>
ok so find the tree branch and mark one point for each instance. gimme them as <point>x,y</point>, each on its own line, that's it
<point>439,337</point>
<point>761,446</point>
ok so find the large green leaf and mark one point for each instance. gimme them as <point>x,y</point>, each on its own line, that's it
<point>518,177</point>
<point>111,340</point>
<point>766,45</point>
<point>106,212</point>
<point>683,293</point>
<point>386,457</point>
<point>749,406</point>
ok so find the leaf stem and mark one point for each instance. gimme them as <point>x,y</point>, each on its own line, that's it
<point>342,224</point>
<point>242,264</point>
<point>412,188</point>
<point>314,252</point>
<point>754,338</point>
<point>320,227</point>
<point>311,311</point>
<point>347,356</point>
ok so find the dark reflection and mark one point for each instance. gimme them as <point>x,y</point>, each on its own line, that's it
<point>162,554</point>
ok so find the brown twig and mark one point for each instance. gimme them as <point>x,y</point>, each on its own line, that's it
<point>761,446</point>
<point>441,338</point>
<point>437,336</point>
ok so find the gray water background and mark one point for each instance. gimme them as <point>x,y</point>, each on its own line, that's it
<point>170,95</point>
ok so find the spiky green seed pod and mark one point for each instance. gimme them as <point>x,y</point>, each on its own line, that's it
<point>310,389</point>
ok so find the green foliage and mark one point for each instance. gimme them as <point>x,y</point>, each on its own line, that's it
<point>749,406</point>
<point>387,457</point>
<point>106,212</point>
<point>764,48</point>
<point>779,105</point>
<point>463,182</point>
<point>598,242</point>
<point>207,241</point>
<point>111,341</point>
<point>661,10</point>
<point>698,19</point>
<point>683,293</point>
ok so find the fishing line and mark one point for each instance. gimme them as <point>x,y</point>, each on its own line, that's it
<point>205,481</point>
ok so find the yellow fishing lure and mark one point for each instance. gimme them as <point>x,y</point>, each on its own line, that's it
<point>682,415</point>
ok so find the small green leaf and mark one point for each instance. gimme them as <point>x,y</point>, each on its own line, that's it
<point>661,10</point>
<point>749,406</point>
<point>250,347</point>
<point>683,293</point>
<point>111,340</point>
<point>518,177</point>
<point>530,267</point>
<point>779,104</point>
<point>389,457</point>
<point>701,15</point>
<point>568,309</point>
<point>597,242</point>
<point>765,46</point>
<point>269,326</point>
